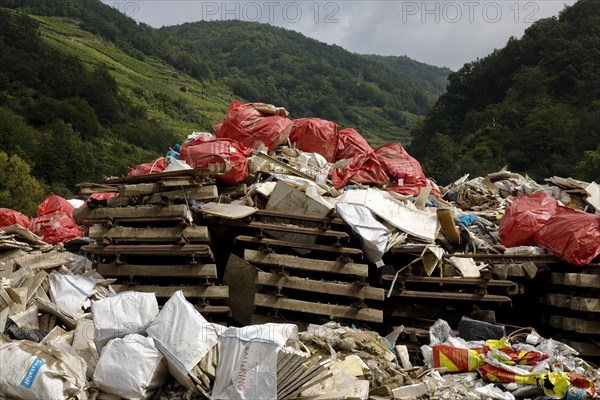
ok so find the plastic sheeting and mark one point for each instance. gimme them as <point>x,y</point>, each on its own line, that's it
<point>524,217</point>
<point>248,361</point>
<point>316,135</point>
<point>255,125</point>
<point>373,234</point>
<point>54,204</point>
<point>202,153</point>
<point>122,314</point>
<point>55,228</point>
<point>155,167</point>
<point>131,368</point>
<point>571,235</point>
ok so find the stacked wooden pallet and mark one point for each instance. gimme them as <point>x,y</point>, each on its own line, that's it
<point>308,272</point>
<point>571,305</point>
<point>147,238</point>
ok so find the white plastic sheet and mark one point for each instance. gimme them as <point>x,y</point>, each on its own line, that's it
<point>34,371</point>
<point>122,314</point>
<point>70,292</point>
<point>374,235</point>
<point>248,361</point>
<point>131,368</point>
<point>183,336</point>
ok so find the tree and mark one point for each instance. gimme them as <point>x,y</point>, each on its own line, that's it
<point>18,189</point>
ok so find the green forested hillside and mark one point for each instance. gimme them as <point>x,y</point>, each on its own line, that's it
<point>533,105</point>
<point>311,78</point>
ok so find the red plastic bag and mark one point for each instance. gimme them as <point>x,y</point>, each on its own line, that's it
<point>99,197</point>
<point>255,124</point>
<point>55,228</point>
<point>316,135</point>
<point>219,151</point>
<point>524,217</point>
<point>455,359</point>
<point>406,172</point>
<point>571,235</point>
<point>10,217</point>
<point>155,167</point>
<point>53,204</point>
<point>364,166</point>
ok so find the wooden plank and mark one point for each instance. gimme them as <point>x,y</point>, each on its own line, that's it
<point>301,217</point>
<point>289,228</point>
<point>578,325</point>
<point>193,193</point>
<point>212,292</point>
<point>201,250</point>
<point>451,296</point>
<point>198,234</point>
<point>458,280</point>
<point>449,229</point>
<point>309,307</point>
<point>228,211</point>
<point>577,303</point>
<point>143,213</point>
<point>240,276</point>
<point>175,271</point>
<point>209,309</point>
<point>331,288</point>
<point>306,264</point>
<point>45,260</point>
<point>295,245</point>
<point>138,189</point>
<point>90,188</point>
<point>201,174</point>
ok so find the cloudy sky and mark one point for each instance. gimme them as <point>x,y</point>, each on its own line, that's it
<point>444,33</point>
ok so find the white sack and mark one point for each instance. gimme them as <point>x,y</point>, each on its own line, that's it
<point>374,235</point>
<point>131,368</point>
<point>70,292</point>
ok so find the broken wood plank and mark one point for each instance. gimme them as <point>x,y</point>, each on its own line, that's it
<point>451,296</point>
<point>209,292</point>
<point>201,250</point>
<point>143,213</point>
<point>306,264</point>
<point>197,234</point>
<point>175,271</point>
<point>331,288</point>
<point>331,310</point>
<point>314,247</point>
<point>289,228</point>
<point>449,229</point>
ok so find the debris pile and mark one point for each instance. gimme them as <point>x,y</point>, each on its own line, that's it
<point>274,226</point>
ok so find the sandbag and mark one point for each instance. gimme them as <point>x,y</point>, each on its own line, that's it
<point>247,366</point>
<point>155,167</point>
<point>200,154</point>
<point>255,125</point>
<point>10,217</point>
<point>70,292</point>
<point>406,172</point>
<point>316,135</point>
<point>350,144</point>
<point>35,371</point>
<point>524,217</point>
<point>571,235</point>
<point>54,204</point>
<point>131,368</point>
<point>183,336</point>
<point>122,314</point>
<point>55,228</point>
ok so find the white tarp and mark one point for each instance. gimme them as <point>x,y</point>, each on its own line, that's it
<point>183,336</point>
<point>131,368</point>
<point>70,292</point>
<point>122,314</point>
<point>419,224</point>
<point>248,361</point>
<point>374,235</point>
<point>34,371</point>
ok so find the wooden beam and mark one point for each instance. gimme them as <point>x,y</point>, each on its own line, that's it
<point>143,213</point>
<point>212,292</point>
<point>331,288</point>
<point>138,189</point>
<point>450,296</point>
<point>197,234</point>
<point>289,228</point>
<point>309,307</point>
<point>295,245</point>
<point>579,325</point>
<point>198,173</point>
<point>149,250</point>
<point>306,264</point>
<point>174,271</point>
<point>586,304</point>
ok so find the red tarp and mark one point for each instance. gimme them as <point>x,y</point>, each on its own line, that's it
<point>53,204</point>
<point>55,228</point>
<point>316,135</point>
<point>253,128</point>
<point>571,235</point>
<point>524,217</point>
<point>199,154</point>
<point>10,217</point>
<point>155,167</point>
<point>406,172</point>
